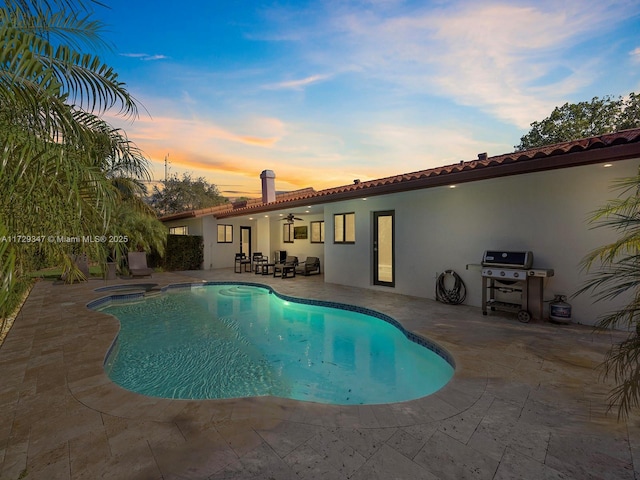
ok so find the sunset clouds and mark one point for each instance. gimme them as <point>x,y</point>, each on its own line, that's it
<point>325,92</point>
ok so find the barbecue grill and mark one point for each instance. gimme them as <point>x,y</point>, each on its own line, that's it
<point>512,273</point>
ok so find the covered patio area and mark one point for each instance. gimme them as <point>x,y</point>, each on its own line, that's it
<point>525,402</point>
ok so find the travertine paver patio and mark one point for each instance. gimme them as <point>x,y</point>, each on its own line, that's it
<point>525,402</point>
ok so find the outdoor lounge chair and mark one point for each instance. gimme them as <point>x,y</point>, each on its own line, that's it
<point>138,264</point>
<point>310,266</point>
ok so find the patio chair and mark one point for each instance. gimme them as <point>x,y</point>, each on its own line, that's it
<point>286,269</point>
<point>138,264</point>
<point>257,261</point>
<point>241,259</point>
<point>310,266</point>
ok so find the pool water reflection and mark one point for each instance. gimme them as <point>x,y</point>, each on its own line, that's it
<point>239,340</point>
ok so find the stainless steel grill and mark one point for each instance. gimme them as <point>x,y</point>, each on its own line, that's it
<point>512,273</point>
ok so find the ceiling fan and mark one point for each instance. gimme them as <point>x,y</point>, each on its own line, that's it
<point>291,218</point>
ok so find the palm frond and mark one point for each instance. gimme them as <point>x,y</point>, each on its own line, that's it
<point>42,69</point>
<point>614,272</point>
<point>623,364</point>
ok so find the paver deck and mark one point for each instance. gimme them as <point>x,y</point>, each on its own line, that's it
<point>525,402</point>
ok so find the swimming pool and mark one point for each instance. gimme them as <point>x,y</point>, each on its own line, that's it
<point>222,340</point>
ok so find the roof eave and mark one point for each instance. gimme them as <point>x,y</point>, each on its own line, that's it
<point>516,167</point>
<point>178,216</point>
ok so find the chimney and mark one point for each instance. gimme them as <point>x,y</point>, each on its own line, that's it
<point>482,156</point>
<point>268,186</point>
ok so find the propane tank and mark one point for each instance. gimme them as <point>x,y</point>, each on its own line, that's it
<point>560,310</point>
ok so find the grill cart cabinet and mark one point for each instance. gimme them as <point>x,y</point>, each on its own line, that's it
<point>511,273</point>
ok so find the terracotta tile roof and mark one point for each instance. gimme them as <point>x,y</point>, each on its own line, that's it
<point>604,148</point>
<point>241,205</point>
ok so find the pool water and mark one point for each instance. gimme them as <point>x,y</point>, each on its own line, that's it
<point>229,341</point>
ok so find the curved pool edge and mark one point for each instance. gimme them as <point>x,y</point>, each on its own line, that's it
<point>90,385</point>
<point>411,336</point>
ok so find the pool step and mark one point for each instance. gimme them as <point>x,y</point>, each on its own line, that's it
<point>242,291</point>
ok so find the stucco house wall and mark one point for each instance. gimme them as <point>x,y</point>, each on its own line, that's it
<point>449,228</point>
<point>194,225</point>
<point>301,248</point>
<point>219,255</point>
<point>223,254</point>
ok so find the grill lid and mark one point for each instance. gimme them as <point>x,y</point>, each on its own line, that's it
<point>498,258</point>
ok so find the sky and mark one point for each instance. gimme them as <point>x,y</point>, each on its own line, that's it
<point>326,92</point>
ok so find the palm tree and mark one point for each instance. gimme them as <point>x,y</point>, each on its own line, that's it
<point>614,271</point>
<point>60,162</point>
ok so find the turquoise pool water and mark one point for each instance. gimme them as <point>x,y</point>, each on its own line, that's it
<point>232,340</point>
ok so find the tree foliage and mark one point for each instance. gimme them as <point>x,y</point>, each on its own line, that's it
<point>573,121</point>
<point>183,194</point>
<point>62,167</point>
<point>615,270</point>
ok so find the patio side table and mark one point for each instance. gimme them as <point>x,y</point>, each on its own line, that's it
<point>288,271</point>
<point>264,267</point>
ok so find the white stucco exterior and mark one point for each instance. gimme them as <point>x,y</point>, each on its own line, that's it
<point>442,228</point>
<point>449,228</point>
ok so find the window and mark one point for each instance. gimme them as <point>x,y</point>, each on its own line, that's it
<point>317,232</point>
<point>225,233</point>
<point>184,230</point>
<point>344,225</point>
<point>287,233</point>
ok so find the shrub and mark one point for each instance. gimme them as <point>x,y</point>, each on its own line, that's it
<point>184,252</point>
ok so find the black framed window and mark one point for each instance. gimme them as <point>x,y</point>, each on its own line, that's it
<point>225,233</point>
<point>183,230</point>
<point>287,233</point>
<point>317,232</point>
<point>344,228</point>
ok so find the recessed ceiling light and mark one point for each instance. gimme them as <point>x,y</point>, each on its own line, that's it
<point>608,165</point>
<point>452,186</point>
<point>364,199</point>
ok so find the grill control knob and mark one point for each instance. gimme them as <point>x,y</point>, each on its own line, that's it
<point>502,274</point>
<point>516,274</point>
<point>489,272</point>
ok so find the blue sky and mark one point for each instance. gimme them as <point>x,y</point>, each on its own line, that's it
<point>324,92</point>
